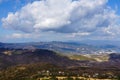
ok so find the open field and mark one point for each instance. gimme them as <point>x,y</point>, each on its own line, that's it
<point>70,78</point>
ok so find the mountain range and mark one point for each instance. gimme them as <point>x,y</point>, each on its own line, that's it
<point>65,47</point>
<point>29,61</point>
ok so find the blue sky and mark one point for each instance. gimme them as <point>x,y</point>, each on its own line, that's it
<point>114,4</point>
<point>59,20</point>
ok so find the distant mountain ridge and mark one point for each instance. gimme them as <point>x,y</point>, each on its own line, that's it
<point>64,47</point>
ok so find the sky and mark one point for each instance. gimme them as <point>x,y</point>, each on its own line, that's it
<point>59,20</point>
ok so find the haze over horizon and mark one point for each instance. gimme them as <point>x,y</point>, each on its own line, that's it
<point>59,20</point>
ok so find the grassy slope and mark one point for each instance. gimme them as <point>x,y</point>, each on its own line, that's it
<point>80,57</point>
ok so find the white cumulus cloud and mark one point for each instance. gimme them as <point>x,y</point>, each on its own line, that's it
<point>79,17</point>
<point>21,35</point>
